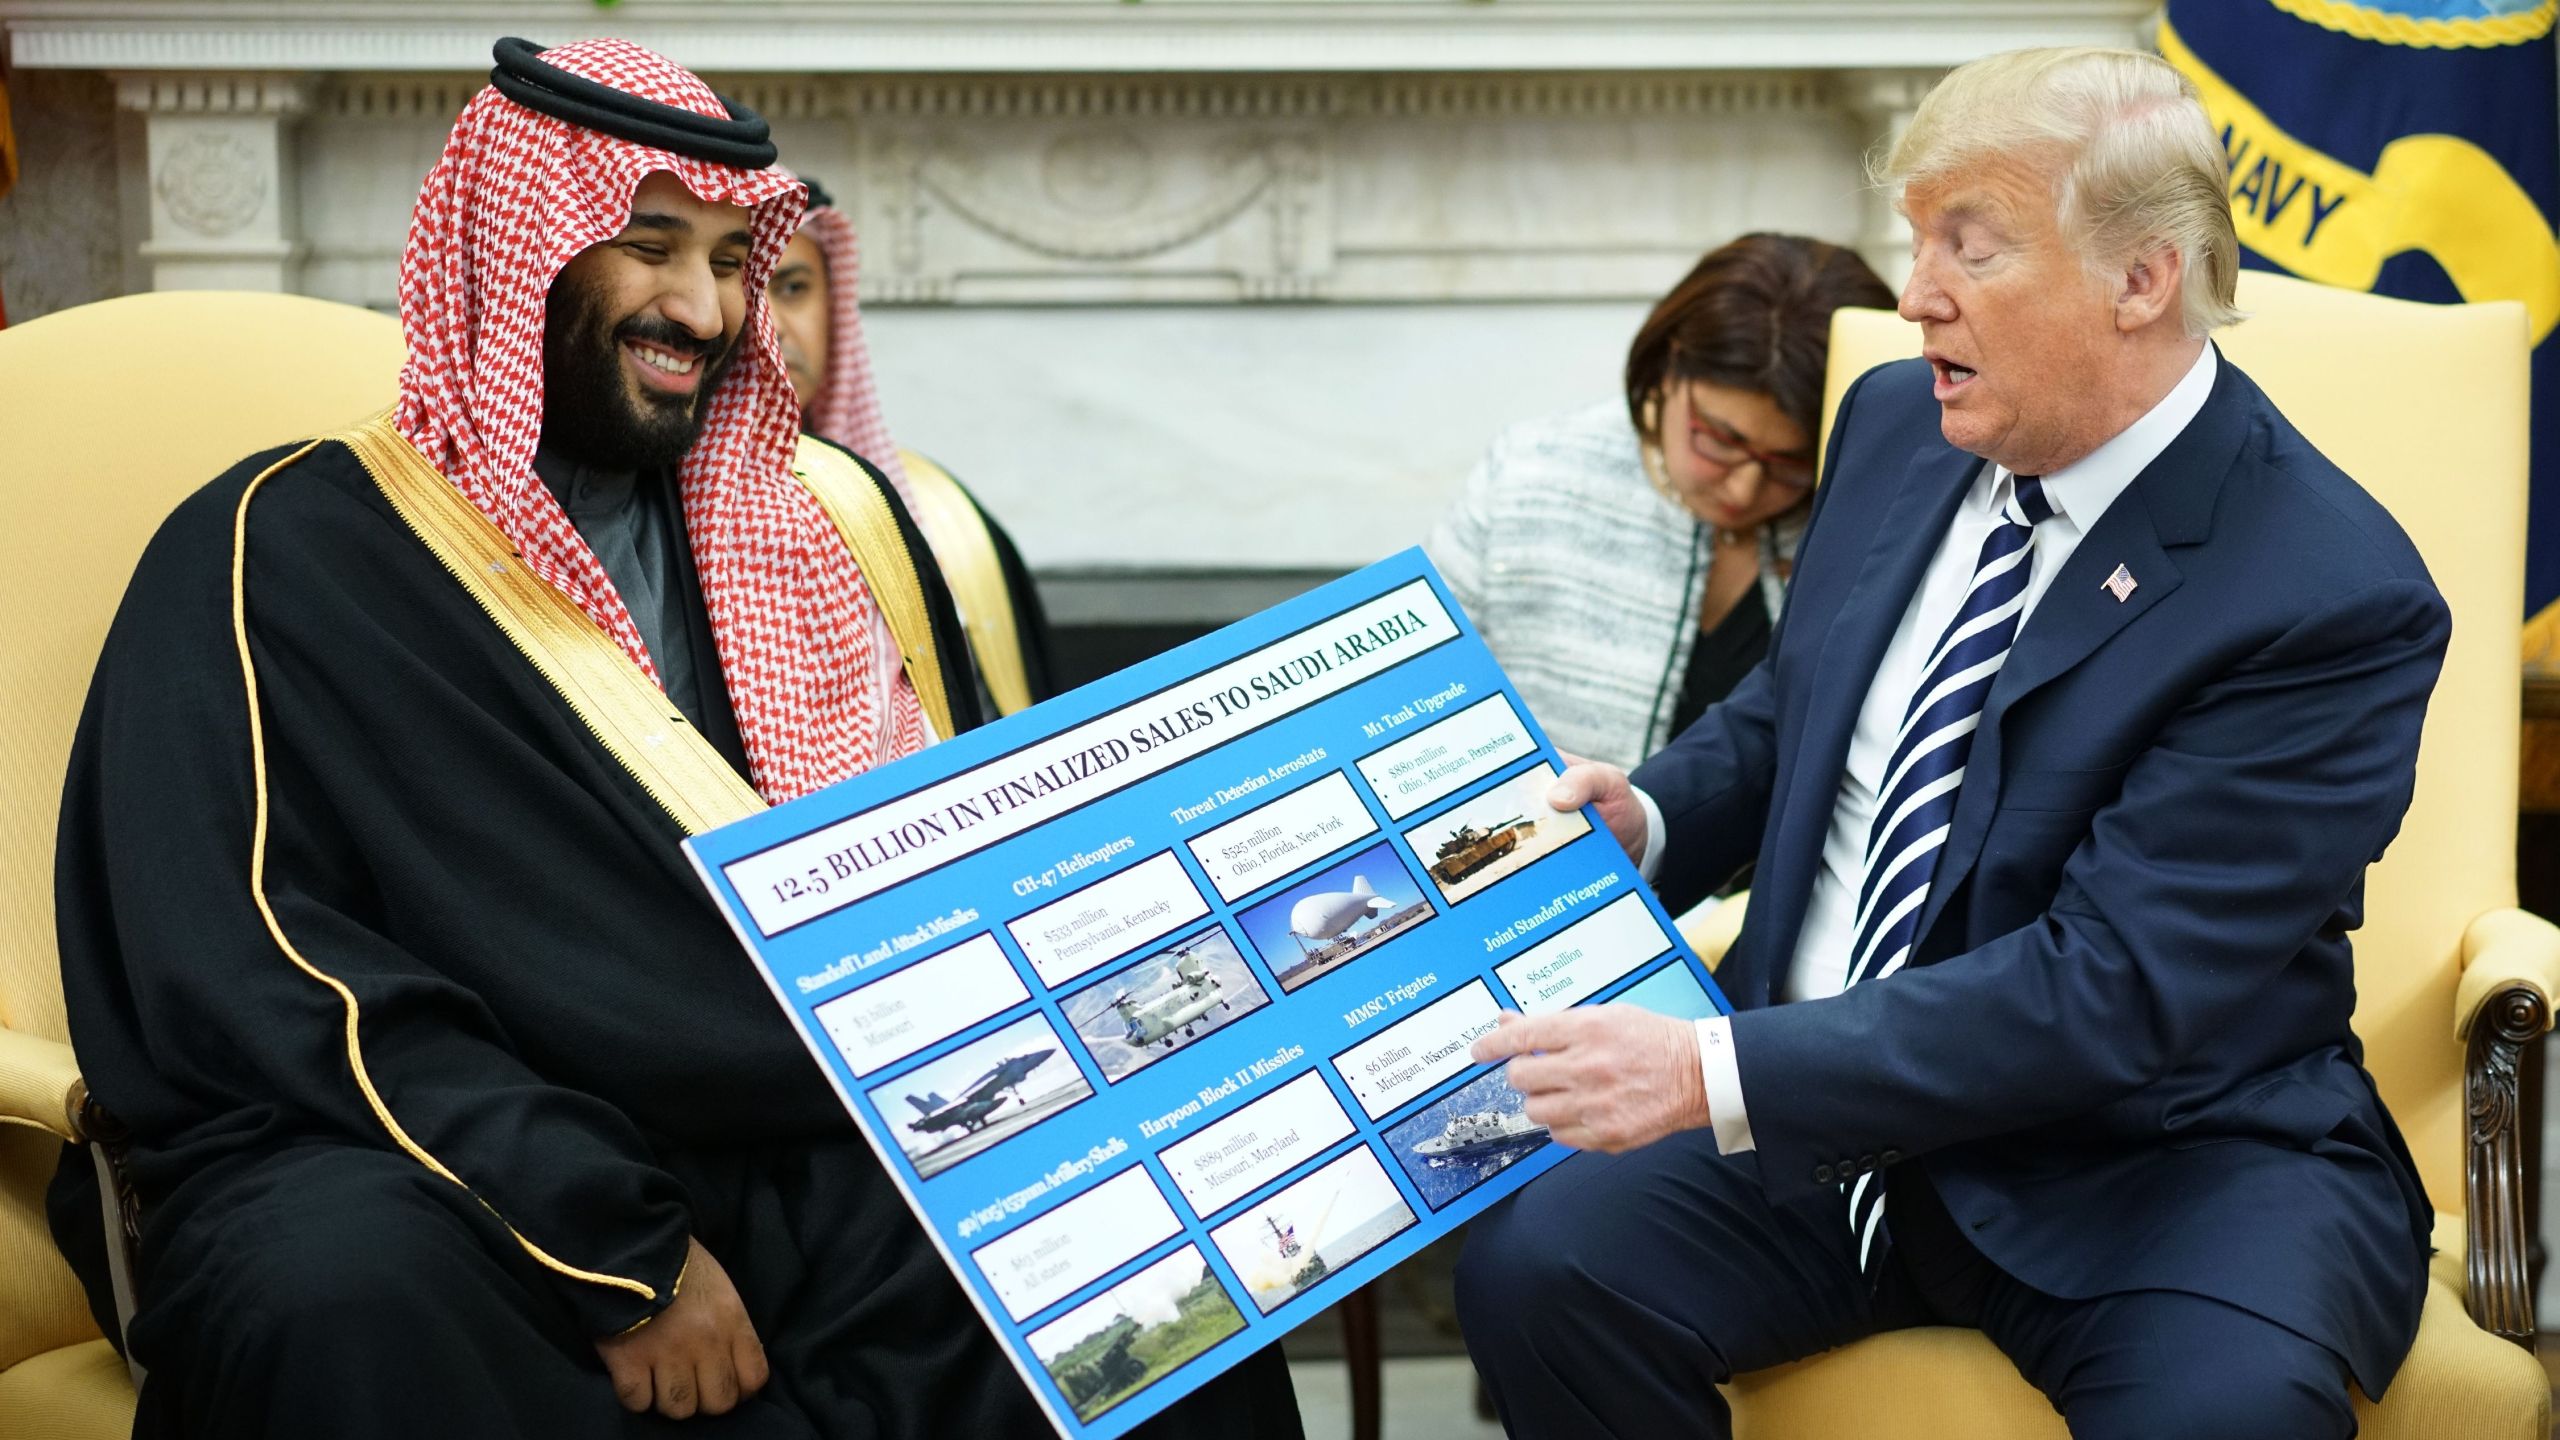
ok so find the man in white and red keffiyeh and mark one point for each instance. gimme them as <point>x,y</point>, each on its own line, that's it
<point>817,315</point>
<point>452,1108</point>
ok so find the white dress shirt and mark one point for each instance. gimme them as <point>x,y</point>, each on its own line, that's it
<point>2079,494</point>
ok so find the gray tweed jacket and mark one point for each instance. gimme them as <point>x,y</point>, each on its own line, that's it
<point>1585,582</point>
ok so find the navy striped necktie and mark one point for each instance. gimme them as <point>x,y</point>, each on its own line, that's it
<point>1920,782</point>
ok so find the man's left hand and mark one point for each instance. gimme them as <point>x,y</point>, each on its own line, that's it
<point>700,1355</point>
<point>1605,1077</point>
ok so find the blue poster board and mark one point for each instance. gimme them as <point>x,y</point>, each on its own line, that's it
<point>1156,999</point>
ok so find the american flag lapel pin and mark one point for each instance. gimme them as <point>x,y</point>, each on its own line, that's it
<point>2120,584</point>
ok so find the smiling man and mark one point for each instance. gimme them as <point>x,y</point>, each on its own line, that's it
<point>454,1108</point>
<point>2096,692</point>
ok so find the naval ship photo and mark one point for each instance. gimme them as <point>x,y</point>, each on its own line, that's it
<point>1465,1138</point>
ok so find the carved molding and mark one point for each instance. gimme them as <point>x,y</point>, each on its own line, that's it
<point>1141,189</point>
<point>211,183</point>
<point>221,175</point>
<point>2501,1290</point>
<point>398,97</point>
<point>1341,97</point>
<point>1215,210</point>
<point>1108,190</point>
<point>1471,97</point>
<point>1883,102</point>
<point>1077,97</point>
<point>392,96</point>
<point>214,93</point>
<point>1097,187</point>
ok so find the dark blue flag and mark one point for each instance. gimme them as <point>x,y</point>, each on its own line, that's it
<point>2409,148</point>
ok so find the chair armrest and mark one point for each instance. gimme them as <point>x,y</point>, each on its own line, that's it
<point>40,1084</point>
<point>2510,972</point>
<point>1710,928</point>
<point>2502,950</point>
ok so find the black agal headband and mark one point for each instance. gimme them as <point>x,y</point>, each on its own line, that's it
<point>742,140</point>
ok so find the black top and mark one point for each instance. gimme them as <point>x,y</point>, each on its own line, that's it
<point>1721,658</point>
<point>635,525</point>
<point>489,910</point>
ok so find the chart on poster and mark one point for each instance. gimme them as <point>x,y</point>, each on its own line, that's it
<point>1156,999</point>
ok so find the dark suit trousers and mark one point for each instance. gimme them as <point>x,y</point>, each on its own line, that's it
<point>1612,1294</point>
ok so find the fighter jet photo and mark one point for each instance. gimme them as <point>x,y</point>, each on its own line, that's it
<point>980,1100</point>
<point>972,1099</point>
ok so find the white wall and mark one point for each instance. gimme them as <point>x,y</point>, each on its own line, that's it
<point>1275,436</point>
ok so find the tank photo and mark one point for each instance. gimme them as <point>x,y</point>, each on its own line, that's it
<point>1495,834</point>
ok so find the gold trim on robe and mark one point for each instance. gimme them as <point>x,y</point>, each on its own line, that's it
<point>628,714</point>
<point>958,535</point>
<point>633,719</point>
<point>861,513</point>
<point>370,435</point>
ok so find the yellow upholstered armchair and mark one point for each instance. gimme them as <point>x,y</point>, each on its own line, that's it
<point>2426,406</point>
<point>115,412</point>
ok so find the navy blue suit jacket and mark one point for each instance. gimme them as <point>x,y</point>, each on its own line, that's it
<point>2121,1050</point>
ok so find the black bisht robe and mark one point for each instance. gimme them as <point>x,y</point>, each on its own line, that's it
<point>1036,641</point>
<point>496,947</point>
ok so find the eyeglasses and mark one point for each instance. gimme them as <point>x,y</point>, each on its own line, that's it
<point>1720,444</point>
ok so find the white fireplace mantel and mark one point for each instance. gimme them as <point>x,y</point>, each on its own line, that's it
<point>1065,36</point>
<point>1242,286</point>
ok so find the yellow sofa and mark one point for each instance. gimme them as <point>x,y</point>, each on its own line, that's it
<point>2426,406</point>
<point>117,410</point>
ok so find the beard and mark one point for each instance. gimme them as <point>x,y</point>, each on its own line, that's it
<point>591,412</point>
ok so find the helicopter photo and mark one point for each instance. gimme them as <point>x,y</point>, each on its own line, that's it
<point>1168,999</point>
<point>1177,1009</point>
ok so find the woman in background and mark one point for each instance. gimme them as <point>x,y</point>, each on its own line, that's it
<point>1626,561</point>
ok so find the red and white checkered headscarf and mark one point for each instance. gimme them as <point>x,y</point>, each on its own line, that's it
<point>812,669</point>
<point>846,408</point>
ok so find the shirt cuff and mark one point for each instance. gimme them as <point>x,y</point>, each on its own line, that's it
<point>1651,861</point>
<point>1723,1076</point>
